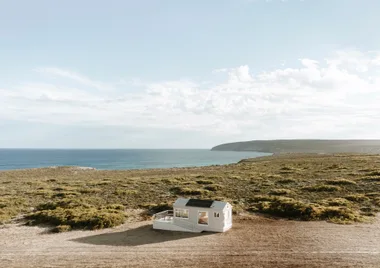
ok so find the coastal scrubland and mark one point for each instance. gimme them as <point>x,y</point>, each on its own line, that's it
<point>303,146</point>
<point>340,188</point>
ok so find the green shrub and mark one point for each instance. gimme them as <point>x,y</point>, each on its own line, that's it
<point>286,168</point>
<point>340,182</point>
<point>288,208</point>
<point>292,209</point>
<point>322,188</point>
<point>66,194</point>
<point>169,180</point>
<point>115,206</point>
<point>286,181</point>
<point>374,173</point>
<point>64,203</point>
<point>186,191</point>
<point>213,188</point>
<point>357,197</point>
<point>82,218</point>
<point>372,179</point>
<point>280,192</point>
<point>336,202</point>
<point>338,215</point>
<point>155,208</point>
<point>90,190</point>
<point>258,198</point>
<point>61,228</point>
<point>204,181</point>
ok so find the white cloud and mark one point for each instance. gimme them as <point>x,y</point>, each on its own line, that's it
<point>337,97</point>
<point>83,80</point>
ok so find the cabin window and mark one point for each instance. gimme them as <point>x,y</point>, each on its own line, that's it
<point>216,214</point>
<point>181,213</point>
<point>203,217</point>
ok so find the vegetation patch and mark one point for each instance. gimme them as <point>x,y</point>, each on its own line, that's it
<point>293,209</point>
<point>213,187</point>
<point>340,188</point>
<point>61,228</point>
<point>155,208</point>
<point>80,217</point>
<point>374,173</point>
<point>357,197</point>
<point>339,215</point>
<point>204,181</point>
<point>186,191</point>
<point>66,194</point>
<point>258,198</point>
<point>372,179</point>
<point>322,188</point>
<point>340,182</point>
<point>287,181</point>
<point>280,192</point>
<point>335,202</point>
<point>288,208</point>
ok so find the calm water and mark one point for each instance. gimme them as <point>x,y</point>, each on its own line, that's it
<point>117,159</point>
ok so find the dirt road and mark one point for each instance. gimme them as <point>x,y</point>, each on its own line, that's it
<point>253,242</point>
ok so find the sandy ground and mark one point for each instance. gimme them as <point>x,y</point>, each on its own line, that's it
<point>253,242</point>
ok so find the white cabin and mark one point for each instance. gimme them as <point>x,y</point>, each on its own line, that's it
<point>195,215</point>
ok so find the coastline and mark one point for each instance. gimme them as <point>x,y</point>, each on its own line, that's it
<point>350,182</point>
<point>117,159</point>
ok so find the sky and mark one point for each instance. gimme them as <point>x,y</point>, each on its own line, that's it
<point>187,74</point>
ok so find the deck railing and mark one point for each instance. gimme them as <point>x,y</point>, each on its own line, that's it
<point>186,224</point>
<point>166,215</point>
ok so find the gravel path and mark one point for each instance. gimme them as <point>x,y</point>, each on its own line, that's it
<point>253,242</point>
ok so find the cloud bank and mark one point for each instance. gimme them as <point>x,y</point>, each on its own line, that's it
<point>337,97</point>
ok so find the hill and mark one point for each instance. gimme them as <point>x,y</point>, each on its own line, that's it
<point>303,146</point>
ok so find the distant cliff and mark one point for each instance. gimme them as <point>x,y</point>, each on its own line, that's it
<point>303,146</point>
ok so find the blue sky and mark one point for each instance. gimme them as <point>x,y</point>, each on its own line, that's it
<point>187,74</point>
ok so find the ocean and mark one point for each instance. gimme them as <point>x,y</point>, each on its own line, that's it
<point>117,158</point>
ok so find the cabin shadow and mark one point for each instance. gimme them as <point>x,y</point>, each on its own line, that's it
<point>142,235</point>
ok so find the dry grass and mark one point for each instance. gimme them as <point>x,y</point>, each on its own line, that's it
<point>339,188</point>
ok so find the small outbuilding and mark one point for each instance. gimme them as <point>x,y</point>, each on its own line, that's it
<point>195,215</point>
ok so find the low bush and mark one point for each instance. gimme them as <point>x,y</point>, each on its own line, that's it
<point>288,208</point>
<point>213,188</point>
<point>280,192</point>
<point>357,197</point>
<point>258,198</point>
<point>340,182</point>
<point>204,181</point>
<point>186,191</point>
<point>155,208</point>
<point>293,209</point>
<point>335,202</point>
<point>374,173</point>
<point>372,179</point>
<point>322,188</point>
<point>82,218</point>
<point>61,228</point>
<point>338,215</point>
<point>66,194</point>
<point>286,181</point>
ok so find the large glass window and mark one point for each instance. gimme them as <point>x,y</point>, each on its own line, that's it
<point>181,213</point>
<point>203,217</point>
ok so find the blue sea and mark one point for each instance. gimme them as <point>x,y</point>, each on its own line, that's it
<point>117,159</point>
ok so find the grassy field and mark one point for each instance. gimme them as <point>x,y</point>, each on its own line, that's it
<point>338,188</point>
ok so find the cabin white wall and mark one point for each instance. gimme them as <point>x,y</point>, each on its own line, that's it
<point>214,224</point>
